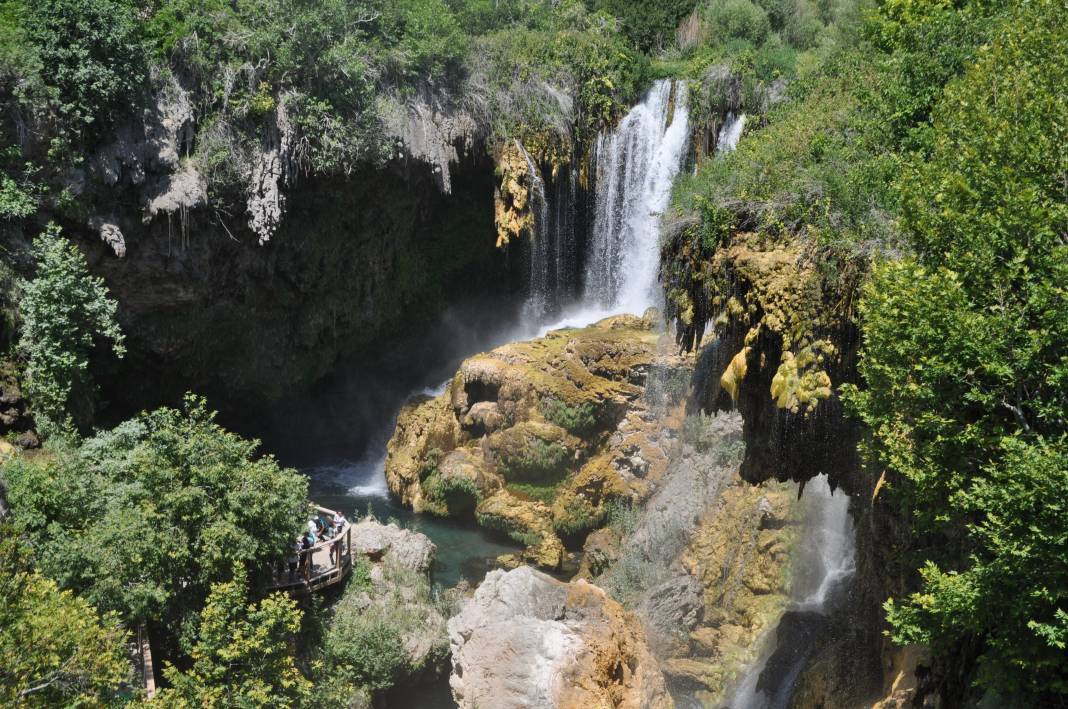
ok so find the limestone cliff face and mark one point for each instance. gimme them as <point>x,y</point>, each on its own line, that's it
<point>527,640</point>
<point>537,438</point>
<point>355,265</point>
<point>783,342</point>
<point>781,345</point>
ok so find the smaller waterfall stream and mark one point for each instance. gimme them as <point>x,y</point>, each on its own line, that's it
<point>730,133</point>
<point>826,557</point>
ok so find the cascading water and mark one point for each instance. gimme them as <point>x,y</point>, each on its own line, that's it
<point>543,251</point>
<point>825,559</point>
<point>636,166</point>
<point>730,133</point>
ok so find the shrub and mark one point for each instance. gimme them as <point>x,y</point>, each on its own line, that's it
<point>364,643</point>
<point>94,58</point>
<point>64,311</point>
<point>737,19</point>
<point>540,461</point>
<point>580,419</point>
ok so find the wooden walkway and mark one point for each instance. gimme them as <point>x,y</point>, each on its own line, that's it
<point>325,564</point>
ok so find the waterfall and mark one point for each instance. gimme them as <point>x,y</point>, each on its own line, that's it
<point>636,165</point>
<point>825,558</point>
<point>730,133</point>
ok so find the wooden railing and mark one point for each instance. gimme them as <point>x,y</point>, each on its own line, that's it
<point>325,564</point>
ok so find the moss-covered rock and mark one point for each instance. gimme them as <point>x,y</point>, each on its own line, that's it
<point>537,437</point>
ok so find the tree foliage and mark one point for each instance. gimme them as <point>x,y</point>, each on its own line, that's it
<point>92,55</point>
<point>64,311</point>
<point>55,649</point>
<point>142,519</point>
<point>966,360</point>
<point>243,655</point>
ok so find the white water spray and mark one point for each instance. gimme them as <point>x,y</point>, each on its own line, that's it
<point>730,133</point>
<point>826,557</point>
<point>634,166</point>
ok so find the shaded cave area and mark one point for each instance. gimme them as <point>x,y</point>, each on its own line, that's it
<point>374,285</point>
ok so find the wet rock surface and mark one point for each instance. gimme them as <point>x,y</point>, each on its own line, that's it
<point>538,439</point>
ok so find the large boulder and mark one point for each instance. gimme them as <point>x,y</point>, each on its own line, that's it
<point>528,640</point>
<point>539,438</point>
<point>407,549</point>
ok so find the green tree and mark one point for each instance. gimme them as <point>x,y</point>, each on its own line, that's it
<point>243,655</point>
<point>965,362</point>
<point>64,310</point>
<point>650,25</point>
<point>55,649</point>
<point>93,55</point>
<point>142,519</point>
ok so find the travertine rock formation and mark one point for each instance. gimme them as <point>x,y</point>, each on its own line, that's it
<point>528,640</point>
<point>537,438</point>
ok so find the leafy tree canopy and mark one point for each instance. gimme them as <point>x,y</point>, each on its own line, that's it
<point>64,310</point>
<point>242,656</point>
<point>966,360</point>
<point>142,519</point>
<point>55,649</point>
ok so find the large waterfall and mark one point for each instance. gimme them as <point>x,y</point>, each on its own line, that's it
<point>636,167</point>
<point>633,168</point>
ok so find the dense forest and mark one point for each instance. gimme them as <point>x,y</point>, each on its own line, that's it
<point>910,157</point>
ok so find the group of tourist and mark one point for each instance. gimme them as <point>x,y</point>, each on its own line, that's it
<point>320,528</point>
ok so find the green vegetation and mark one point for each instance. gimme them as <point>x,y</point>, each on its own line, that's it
<point>365,646</point>
<point>965,363</point>
<point>323,73</point>
<point>450,495</point>
<point>64,310</point>
<point>144,518</point>
<point>520,73</point>
<point>762,40</point>
<point>55,649</point>
<point>918,170</point>
<point>580,419</point>
<point>649,25</point>
<point>539,462</point>
<point>243,653</point>
<point>543,492</point>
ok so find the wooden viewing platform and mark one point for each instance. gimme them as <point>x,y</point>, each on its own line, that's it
<point>325,564</point>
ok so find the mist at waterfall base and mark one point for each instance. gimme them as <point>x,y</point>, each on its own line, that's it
<point>633,169</point>
<point>824,560</point>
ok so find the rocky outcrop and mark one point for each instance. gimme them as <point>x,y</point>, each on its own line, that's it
<point>389,543</point>
<point>783,344</point>
<point>528,640</point>
<point>389,593</point>
<point>537,439</point>
<point>513,213</point>
<point>432,130</point>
